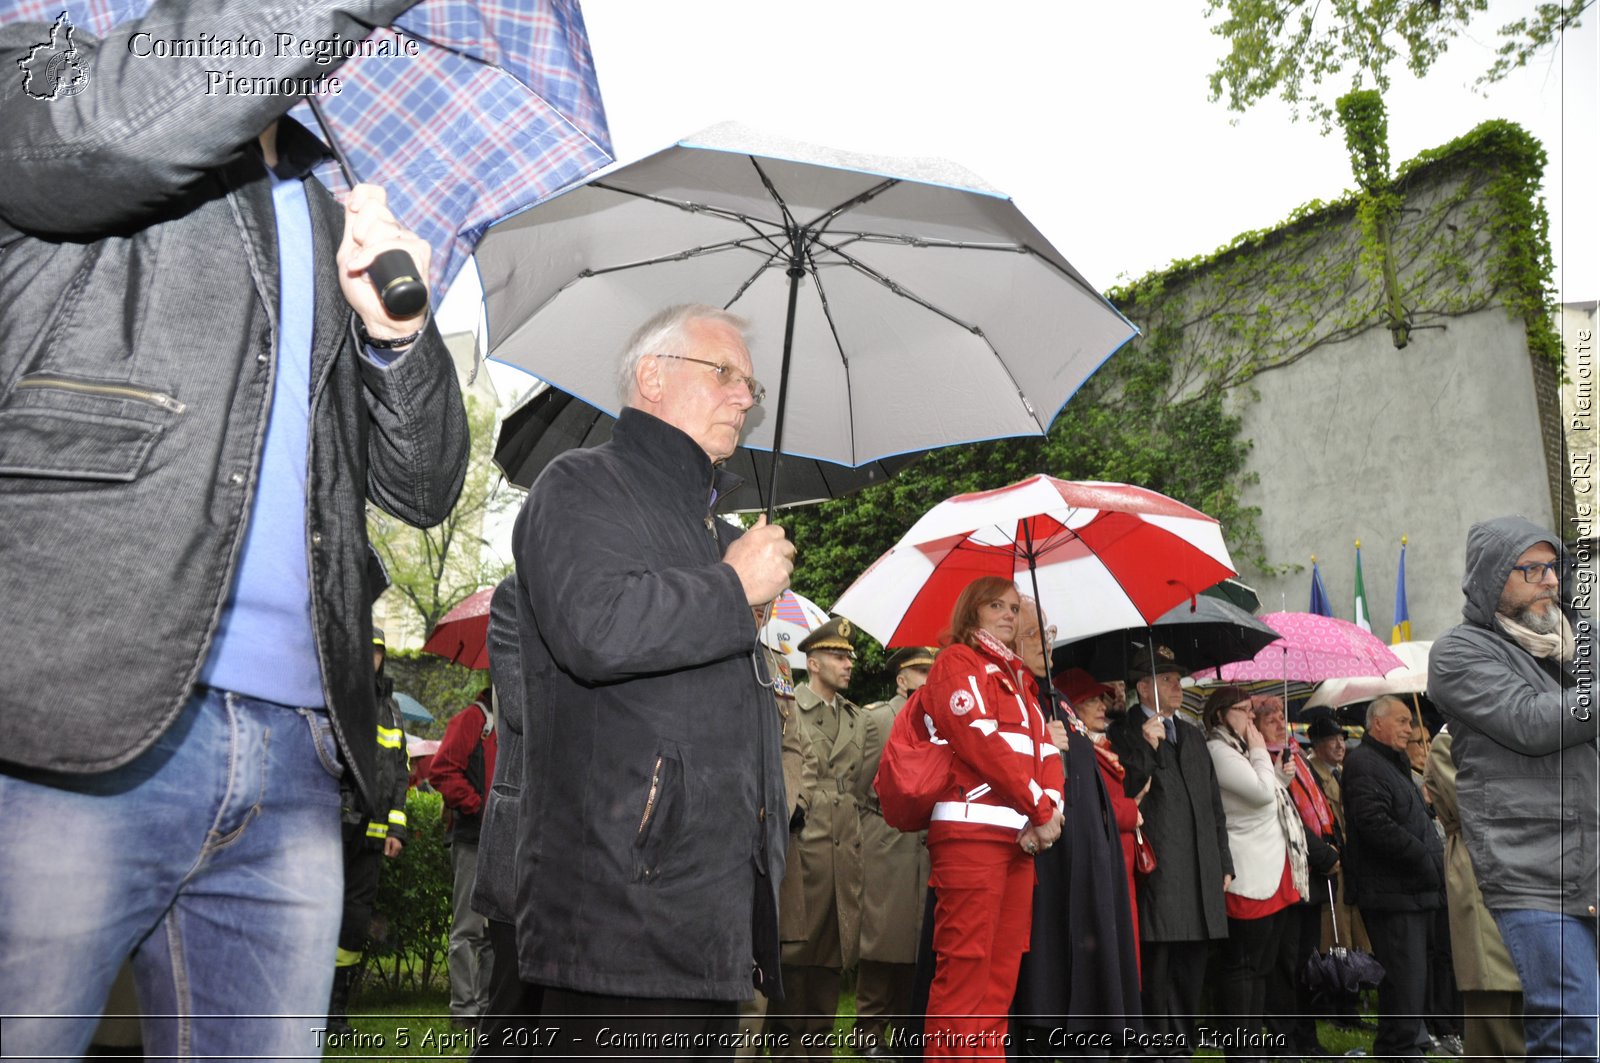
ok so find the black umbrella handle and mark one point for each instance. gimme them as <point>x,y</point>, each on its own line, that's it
<point>394,274</point>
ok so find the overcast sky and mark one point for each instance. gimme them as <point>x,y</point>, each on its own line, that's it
<point>1092,116</point>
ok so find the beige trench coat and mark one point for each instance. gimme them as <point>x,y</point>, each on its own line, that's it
<point>1481,960</point>
<point>799,786</point>
<point>828,852</point>
<point>894,866</point>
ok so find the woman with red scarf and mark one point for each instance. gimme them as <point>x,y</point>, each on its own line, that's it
<point>1003,806</point>
<point>1289,1005</point>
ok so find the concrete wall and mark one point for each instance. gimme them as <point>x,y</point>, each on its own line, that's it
<point>1362,441</point>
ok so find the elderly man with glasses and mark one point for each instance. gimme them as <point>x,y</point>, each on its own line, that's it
<point>652,819</point>
<point>1516,681</point>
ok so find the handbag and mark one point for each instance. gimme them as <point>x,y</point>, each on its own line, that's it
<point>915,771</point>
<point>1144,857</point>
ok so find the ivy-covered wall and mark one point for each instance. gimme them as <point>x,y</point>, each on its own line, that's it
<point>1368,417</point>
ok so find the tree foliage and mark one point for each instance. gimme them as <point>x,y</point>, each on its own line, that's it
<point>1311,53</point>
<point>433,569</point>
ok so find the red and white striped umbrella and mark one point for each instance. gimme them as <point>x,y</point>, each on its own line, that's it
<point>1105,556</point>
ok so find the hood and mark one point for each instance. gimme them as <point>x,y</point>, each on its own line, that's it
<point>1493,546</point>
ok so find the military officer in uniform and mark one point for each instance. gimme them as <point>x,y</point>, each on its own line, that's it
<point>894,876</point>
<point>799,783</point>
<point>829,849</point>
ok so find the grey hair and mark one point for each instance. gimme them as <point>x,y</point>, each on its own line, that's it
<point>667,332</point>
<point>1375,709</point>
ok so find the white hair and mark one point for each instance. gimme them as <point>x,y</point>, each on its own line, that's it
<point>667,332</point>
<point>1375,709</point>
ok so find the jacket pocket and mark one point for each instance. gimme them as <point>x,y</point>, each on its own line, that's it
<point>64,427</point>
<point>661,816</point>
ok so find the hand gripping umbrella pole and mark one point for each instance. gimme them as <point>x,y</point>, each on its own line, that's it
<point>394,273</point>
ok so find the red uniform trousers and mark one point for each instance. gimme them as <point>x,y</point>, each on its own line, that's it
<point>981,924</point>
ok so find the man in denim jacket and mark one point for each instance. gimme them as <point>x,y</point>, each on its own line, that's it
<point>196,402</point>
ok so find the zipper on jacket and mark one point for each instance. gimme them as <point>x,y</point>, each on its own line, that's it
<point>650,799</point>
<point>57,382</point>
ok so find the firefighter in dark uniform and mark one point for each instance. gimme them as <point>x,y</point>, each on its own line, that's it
<point>368,840</point>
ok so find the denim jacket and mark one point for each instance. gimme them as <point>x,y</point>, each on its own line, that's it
<point>138,321</point>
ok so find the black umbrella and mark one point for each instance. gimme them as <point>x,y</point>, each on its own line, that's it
<point>1341,970</point>
<point>550,422</point>
<point>1202,633</point>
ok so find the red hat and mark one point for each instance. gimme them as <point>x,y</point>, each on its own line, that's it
<point>1079,686</point>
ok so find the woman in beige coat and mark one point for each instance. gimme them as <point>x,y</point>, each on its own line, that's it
<point>1491,994</point>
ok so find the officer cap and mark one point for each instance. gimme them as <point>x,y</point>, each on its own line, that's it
<point>912,657</point>
<point>834,635</point>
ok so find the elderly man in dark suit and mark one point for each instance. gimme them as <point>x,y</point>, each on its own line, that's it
<point>1181,906</point>
<point>1394,872</point>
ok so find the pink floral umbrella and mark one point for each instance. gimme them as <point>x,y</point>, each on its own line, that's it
<point>1313,648</point>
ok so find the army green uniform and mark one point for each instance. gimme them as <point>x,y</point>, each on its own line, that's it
<point>827,855</point>
<point>894,868</point>
<point>799,782</point>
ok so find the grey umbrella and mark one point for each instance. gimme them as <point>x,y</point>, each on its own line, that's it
<point>917,307</point>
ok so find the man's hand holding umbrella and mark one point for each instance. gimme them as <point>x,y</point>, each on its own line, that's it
<point>764,560</point>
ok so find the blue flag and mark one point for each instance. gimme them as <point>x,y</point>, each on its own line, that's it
<point>1401,632</point>
<point>1319,594</point>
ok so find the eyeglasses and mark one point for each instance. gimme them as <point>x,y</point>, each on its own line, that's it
<point>1534,571</point>
<point>1049,633</point>
<point>726,375</point>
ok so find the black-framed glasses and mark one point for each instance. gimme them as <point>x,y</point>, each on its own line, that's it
<point>726,374</point>
<point>1533,571</point>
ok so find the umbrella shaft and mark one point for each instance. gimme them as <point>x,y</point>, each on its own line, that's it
<point>796,271</point>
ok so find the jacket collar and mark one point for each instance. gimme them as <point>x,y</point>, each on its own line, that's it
<point>1397,757</point>
<point>683,468</point>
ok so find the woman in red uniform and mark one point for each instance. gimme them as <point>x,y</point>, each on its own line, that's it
<point>1003,806</point>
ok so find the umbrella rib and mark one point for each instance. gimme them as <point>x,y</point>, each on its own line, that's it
<point>677,256</point>
<point>820,223</point>
<point>689,207</point>
<point>905,293</point>
<point>838,342</point>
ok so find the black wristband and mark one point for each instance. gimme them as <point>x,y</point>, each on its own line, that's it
<point>398,341</point>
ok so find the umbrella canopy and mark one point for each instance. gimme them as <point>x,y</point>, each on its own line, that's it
<point>462,635</point>
<point>1410,678</point>
<point>1203,632</point>
<point>793,618</point>
<point>1105,556</point>
<point>464,112</point>
<point>549,421</point>
<point>1314,648</point>
<point>421,747</point>
<point>411,709</point>
<point>917,307</point>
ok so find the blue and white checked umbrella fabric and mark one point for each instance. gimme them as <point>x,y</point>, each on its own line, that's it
<point>498,111</point>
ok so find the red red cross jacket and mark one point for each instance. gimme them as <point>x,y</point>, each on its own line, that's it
<point>1007,771</point>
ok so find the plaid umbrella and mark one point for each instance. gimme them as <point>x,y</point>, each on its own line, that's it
<point>497,110</point>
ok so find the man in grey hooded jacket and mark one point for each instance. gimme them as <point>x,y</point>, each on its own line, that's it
<point>1516,681</point>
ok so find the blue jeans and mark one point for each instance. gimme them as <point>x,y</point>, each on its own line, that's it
<point>213,859</point>
<point>1557,961</point>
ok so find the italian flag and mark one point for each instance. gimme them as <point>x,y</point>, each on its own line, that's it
<point>1363,614</point>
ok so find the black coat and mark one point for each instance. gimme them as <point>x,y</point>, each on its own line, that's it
<point>653,826</point>
<point>1081,972</point>
<point>1394,860</point>
<point>1182,899</point>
